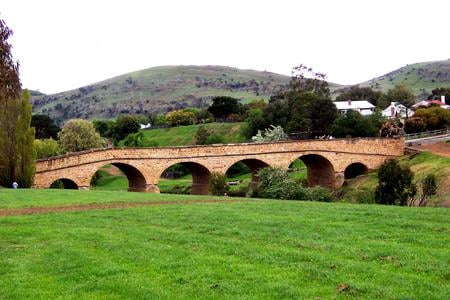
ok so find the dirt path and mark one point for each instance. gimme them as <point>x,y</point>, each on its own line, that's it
<point>83,207</point>
<point>442,149</point>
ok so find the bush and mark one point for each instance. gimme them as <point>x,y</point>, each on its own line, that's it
<point>395,184</point>
<point>272,134</point>
<point>217,184</point>
<point>202,135</point>
<point>414,125</point>
<point>214,139</point>
<point>46,148</point>
<point>276,184</point>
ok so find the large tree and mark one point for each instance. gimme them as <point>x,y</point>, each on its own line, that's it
<point>400,93</point>
<point>44,126</point>
<point>223,106</point>
<point>16,137</point>
<point>305,106</point>
<point>78,135</point>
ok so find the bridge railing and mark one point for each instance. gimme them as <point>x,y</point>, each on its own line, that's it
<point>420,135</point>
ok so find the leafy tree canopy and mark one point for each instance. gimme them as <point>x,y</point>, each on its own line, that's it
<point>224,106</point>
<point>44,126</point>
<point>78,135</point>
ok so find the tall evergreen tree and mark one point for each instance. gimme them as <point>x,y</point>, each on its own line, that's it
<point>16,152</point>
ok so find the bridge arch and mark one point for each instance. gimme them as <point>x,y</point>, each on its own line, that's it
<point>253,165</point>
<point>136,179</point>
<point>64,183</point>
<point>200,176</point>
<point>320,171</point>
<point>355,169</point>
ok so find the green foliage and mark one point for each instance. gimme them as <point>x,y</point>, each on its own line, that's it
<point>44,126</point>
<point>395,184</point>
<point>214,139</point>
<point>123,126</point>
<point>181,118</point>
<point>17,154</point>
<point>46,148</point>
<point>275,183</point>
<point>304,107</point>
<point>201,136</point>
<point>104,127</point>
<point>25,142</point>
<point>434,117</point>
<point>78,135</point>
<point>356,92</point>
<point>390,129</point>
<point>224,106</point>
<point>414,125</point>
<point>438,92</point>
<point>428,188</point>
<point>400,93</point>
<point>256,121</point>
<point>353,124</point>
<point>272,134</point>
<point>135,140</point>
<point>218,184</point>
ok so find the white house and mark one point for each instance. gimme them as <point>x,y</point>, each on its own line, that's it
<point>364,107</point>
<point>396,110</point>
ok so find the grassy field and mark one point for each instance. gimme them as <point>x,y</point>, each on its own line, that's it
<point>361,189</point>
<point>185,135</point>
<point>256,249</point>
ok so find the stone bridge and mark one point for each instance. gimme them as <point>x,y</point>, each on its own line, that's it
<point>328,162</point>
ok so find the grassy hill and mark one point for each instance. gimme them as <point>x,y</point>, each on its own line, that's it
<point>158,89</point>
<point>251,249</point>
<point>422,78</point>
<point>185,135</point>
<point>361,189</point>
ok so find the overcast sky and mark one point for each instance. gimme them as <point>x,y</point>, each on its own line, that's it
<point>67,44</point>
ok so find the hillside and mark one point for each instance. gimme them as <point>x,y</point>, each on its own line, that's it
<point>361,189</point>
<point>158,89</point>
<point>185,135</point>
<point>422,78</point>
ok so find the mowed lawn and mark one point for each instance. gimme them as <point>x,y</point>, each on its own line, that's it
<point>255,249</point>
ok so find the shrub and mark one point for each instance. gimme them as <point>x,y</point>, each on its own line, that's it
<point>395,184</point>
<point>276,184</point>
<point>274,133</point>
<point>46,148</point>
<point>217,184</point>
<point>202,135</point>
<point>214,139</point>
<point>414,125</point>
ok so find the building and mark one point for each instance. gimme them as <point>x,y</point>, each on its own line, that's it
<point>396,110</point>
<point>364,107</point>
<point>426,103</point>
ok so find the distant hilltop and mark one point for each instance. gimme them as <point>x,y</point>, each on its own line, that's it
<point>165,88</point>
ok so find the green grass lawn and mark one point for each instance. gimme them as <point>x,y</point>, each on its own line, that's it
<point>258,249</point>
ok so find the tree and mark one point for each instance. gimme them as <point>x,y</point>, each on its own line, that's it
<point>428,188</point>
<point>255,121</point>
<point>305,106</point>
<point>438,92</point>
<point>123,126</point>
<point>180,118</point>
<point>44,126</point>
<point>103,127</point>
<point>395,184</point>
<point>353,124</point>
<point>78,135</point>
<point>224,106</point>
<point>400,93</point>
<point>360,93</point>
<point>16,136</point>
